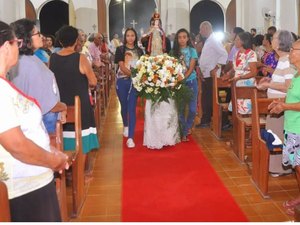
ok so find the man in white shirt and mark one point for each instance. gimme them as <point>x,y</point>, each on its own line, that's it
<point>213,54</point>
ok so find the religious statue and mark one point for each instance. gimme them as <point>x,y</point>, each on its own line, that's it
<point>155,41</point>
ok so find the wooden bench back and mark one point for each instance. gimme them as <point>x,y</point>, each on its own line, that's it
<point>78,193</point>
<point>239,126</point>
<point>217,106</point>
<point>4,204</point>
<point>241,122</point>
<point>260,154</point>
<point>56,140</point>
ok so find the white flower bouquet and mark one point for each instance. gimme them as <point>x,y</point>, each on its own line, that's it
<point>158,77</point>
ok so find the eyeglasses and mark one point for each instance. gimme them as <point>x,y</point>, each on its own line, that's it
<point>292,49</point>
<point>37,33</point>
<point>18,41</point>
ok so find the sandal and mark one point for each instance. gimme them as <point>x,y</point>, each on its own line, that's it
<point>291,203</point>
<point>185,139</point>
<point>88,179</point>
<point>290,212</point>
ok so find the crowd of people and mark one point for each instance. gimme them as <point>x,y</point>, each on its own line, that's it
<point>38,82</point>
<point>241,57</point>
<point>41,74</point>
<point>275,57</point>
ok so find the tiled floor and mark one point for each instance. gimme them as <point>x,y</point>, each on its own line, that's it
<point>103,201</point>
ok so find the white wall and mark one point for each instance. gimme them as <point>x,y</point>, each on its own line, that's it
<point>174,13</point>
<point>250,14</point>
<point>182,15</point>
<point>287,15</point>
<point>12,10</point>
<point>87,19</point>
<point>85,13</point>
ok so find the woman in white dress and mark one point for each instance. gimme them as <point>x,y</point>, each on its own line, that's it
<point>161,119</point>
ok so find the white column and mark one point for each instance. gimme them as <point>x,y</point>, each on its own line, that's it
<point>86,15</point>
<point>12,10</point>
<point>240,5</point>
<point>277,14</point>
<point>288,15</point>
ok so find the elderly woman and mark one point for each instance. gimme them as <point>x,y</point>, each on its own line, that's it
<point>24,145</point>
<point>33,77</point>
<point>278,84</point>
<point>291,108</point>
<point>277,87</point>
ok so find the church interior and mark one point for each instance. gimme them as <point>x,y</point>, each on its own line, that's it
<point>207,179</point>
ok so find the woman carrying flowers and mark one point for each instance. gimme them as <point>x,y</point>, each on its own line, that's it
<point>126,57</point>
<point>183,49</point>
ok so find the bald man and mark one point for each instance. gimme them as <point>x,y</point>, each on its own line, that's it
<point>212,57</point>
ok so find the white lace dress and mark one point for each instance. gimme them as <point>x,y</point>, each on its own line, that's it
<point>161,125</point>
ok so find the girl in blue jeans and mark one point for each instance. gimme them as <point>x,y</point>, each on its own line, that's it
<point>184,50</point>
<point>126,57</point>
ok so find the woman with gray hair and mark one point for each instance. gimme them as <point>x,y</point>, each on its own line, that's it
<point>277,87</point>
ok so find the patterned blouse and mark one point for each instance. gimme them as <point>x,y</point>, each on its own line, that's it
<point>269,59</point>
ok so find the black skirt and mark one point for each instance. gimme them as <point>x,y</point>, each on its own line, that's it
<point>40,205</point>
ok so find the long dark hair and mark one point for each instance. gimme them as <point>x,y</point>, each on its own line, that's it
<point>176,48</point>
<point>23,30</point>
<point>6,33</point>
<point>269,38</point>
<point>246,39</point>
<point>136,37</point>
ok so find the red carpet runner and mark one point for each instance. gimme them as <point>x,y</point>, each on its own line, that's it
<point>173,184</point>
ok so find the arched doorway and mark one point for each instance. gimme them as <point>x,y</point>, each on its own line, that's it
<point>231,16</point>
<point>53,16</point>
<point>137,14</point>
<point>206,10</point>
<point>30,11</point>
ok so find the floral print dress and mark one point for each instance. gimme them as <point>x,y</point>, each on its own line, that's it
<point>241,67</point>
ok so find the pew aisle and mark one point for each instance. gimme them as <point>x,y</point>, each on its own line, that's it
<point>103,202</point>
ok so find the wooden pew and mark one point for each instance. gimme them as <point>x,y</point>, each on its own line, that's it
<point>78,192</point>
<point>260,153</point>
<point>4,204</point>
<point>218,107</point>
<point>241,122</point>
<point>297,214</point>
<point>101,88</point>
<point>106,80</point>
<point>97,110</point>
<point>56,140</point>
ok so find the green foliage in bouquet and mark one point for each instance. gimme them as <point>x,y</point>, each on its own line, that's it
<point>182,97</point>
